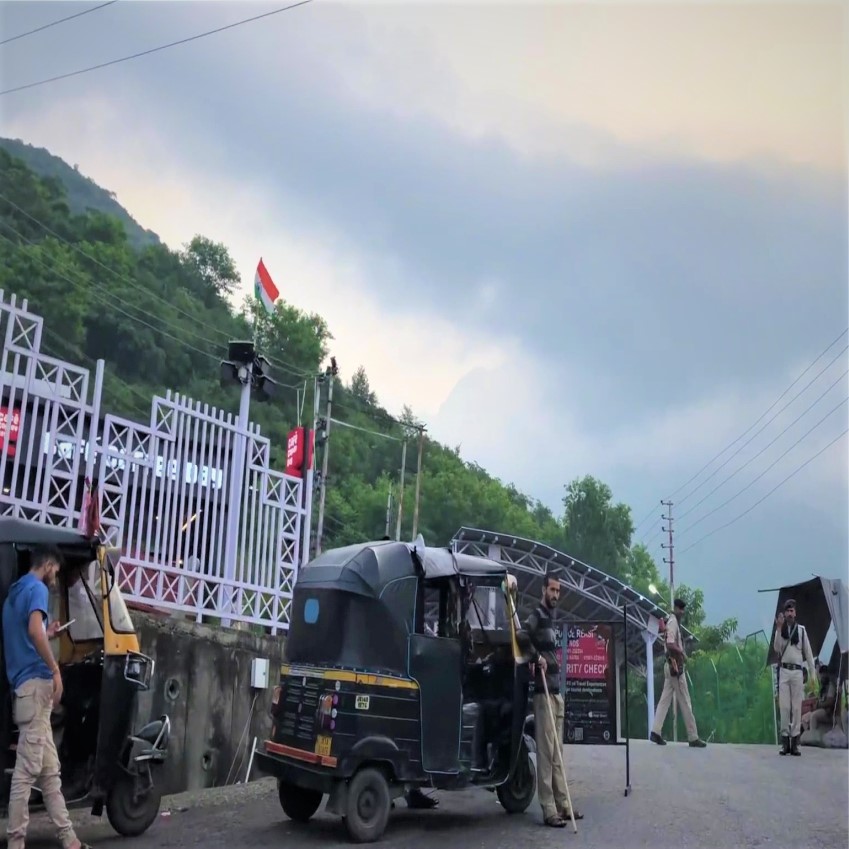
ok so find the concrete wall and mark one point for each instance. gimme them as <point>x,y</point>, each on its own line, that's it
<point>202,680</point>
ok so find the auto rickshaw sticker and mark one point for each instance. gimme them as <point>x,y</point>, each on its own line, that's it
<point>362,702</point>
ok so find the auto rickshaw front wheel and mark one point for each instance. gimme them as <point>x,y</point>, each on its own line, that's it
<point>517,793</point>
<point>367,806</point>
<point>132,814</point>
<point>298,803</point>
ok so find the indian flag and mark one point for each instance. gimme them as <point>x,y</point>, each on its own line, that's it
<point>264,288</point>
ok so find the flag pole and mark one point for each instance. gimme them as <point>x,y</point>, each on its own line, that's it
<point>255,309</point>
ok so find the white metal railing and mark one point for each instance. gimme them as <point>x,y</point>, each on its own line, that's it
<point>164,485</point>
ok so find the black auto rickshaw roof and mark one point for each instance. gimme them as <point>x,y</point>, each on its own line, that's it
<point>22,532</point>
<point>366,568</point>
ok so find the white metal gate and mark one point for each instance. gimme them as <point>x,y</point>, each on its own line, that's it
<point>165,494</point>
<point>165,486</point>
<point>48,418</point>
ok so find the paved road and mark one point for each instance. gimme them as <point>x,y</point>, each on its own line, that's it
<point>723,796</point>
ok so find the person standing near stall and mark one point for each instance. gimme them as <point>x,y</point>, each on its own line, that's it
<point>793,648</point>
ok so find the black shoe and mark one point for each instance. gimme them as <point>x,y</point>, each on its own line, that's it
<point>794,747</point>
<point>785,746</point>
<point>656,738</point>
<point>416,799</point>
<point>697,744</point>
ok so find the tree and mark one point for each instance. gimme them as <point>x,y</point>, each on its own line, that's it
<point>597,531</point>
<point>212,263</point>
<point>361,389</point>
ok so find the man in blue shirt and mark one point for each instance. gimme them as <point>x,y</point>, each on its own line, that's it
<point>35,678</point>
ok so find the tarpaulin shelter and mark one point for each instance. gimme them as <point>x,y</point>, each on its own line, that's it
<point>820,602</point>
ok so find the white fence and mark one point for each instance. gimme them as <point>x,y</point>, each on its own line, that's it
<point>165,485</point>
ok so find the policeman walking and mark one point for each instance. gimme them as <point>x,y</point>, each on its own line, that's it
<point>793,648</point>
<point>675,682</point>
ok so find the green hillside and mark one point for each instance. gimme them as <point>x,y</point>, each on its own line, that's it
<point>82,192</point>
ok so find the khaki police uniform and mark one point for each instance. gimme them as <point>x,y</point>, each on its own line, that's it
<point>676,685</point>
<point>791,686</point>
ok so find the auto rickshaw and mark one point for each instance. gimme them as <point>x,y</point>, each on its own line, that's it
<point>103,763</point>
<point>402,670</point>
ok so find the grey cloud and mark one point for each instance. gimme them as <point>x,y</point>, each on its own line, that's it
<point>659,283</point>
<point>656,283</point>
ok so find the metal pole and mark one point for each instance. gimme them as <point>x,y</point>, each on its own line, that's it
<point>648,637</point>
<point>319,532</point>
<point>309,476</point>
<point>671,562</point>
<point>388,510</point>
<point>234,504</point>
<point>401,491</point>
<point>418,484</point>
<point>627,728</point>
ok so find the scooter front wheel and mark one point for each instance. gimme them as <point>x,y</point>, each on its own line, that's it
<point>130,814</point>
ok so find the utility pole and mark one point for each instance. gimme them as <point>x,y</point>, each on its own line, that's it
<point>671,561</point>
<point>330,374</point>
<point>671,546</point>
<point>418,482</point>
<point>245,368</point>
<point>388,510</point>
<point>401,491</point>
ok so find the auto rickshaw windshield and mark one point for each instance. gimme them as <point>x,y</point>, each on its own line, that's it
<point>84,609</point>
<point>119,615</point>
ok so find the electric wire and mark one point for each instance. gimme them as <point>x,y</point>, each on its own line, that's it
<point>766,412</point>
<point>766,447</point>
<point>55,23</point>
<point>281,365</point>
<point>768,494</point>
<point>770,466</point>
<point>765,425</point>
<point>152,50</point>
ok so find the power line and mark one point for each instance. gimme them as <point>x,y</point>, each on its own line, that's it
<point>94,293</point>
<point>770,466</point>
<point>768,422</point>
<point>366,430</point>
<point>147,292</point>
<point>731,445</point>
<point>134,284</point>
<point>645,519</point>
<point>768,445</point>
<point>761,500</point>
<point>60,21</point>
<point>154,49</point>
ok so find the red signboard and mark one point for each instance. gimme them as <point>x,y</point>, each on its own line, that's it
<point>588,657</point>
<point>299,441</point>
<point>10,421</point>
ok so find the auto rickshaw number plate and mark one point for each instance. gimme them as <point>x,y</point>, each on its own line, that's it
<point>322,745</point>
<point>362,702</point>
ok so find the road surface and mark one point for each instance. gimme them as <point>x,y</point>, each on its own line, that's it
<point>723,796</point>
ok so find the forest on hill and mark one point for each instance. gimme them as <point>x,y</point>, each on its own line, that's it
<point>162,319</point>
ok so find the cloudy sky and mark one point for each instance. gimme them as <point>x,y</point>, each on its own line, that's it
<point>574,238</point>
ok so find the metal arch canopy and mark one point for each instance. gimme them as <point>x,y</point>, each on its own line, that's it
<point>590,594</point>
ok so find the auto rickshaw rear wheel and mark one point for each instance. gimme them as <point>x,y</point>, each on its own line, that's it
<point>367,806</point>
<point>298,803</point>
<point>517,793</point>
<point>131,816</point>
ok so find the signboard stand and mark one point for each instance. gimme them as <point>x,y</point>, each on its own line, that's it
<point>589,682</point>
